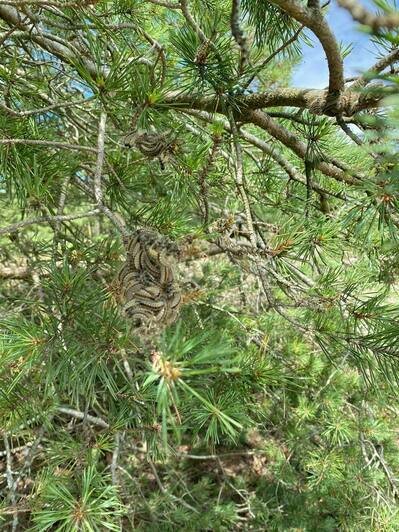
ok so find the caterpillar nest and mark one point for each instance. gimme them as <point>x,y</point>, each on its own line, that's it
<point>151,297</point>
<point>152,144</point>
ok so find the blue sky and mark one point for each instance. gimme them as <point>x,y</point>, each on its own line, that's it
<point>312,72</point>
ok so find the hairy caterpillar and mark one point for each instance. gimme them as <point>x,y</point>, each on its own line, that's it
<point>152,144</point>
<point>150,295</point>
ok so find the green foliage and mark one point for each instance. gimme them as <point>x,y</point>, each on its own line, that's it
<point>85,502</point>
<point>271,403</point>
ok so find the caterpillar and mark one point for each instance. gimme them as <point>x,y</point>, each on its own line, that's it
<point>152,144</point>
<point>147,280</point>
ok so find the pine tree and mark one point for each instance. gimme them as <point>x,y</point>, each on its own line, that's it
<point>198,264</point>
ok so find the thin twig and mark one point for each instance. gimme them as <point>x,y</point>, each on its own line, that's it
<point>98,192</point>
<point>164,491</point>
<point>202,178</point>
<point>362,15</point>
<point>30,456</point>
<point>169,5</point>
<point>191,21</point>
<point>51,143</point>
<point>81,415</point>
<point>238,34</point>
<point>23,114</point>
<point>285,45</point>
<point>240,179</point>
<point>10,481</point>
<point>47,219</point>
<point>115,456</point>
<point>113,217</point>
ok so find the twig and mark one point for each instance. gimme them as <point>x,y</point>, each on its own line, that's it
<point>362,15</point>
<point>273,55</point>
<point>238,34</point>
<point>164,491</point>
<point>16,449</point>
<point>98,192</point>
<point>81,415</point>
<point>18,3</point>
<point>191,21</point>
<point>313,19</point>
<point>115,456</point>
<point>169,5</point>
<point>332,168</point>
<point>51,143</point>
<point>8,33</point>
<point>10,482</point>
<point>379,66</point>
<point>289,168</point>
<point>203,175</point>
<point>126,365</point>
<point>113,217</point>
<point>161,55</point>
<point>23,114</point>
<point>30,456</point>
<point>61,203</point>
<point>221,455</point>
<point>240,179</point>
<point>346,129</point>
<point>47,219</point>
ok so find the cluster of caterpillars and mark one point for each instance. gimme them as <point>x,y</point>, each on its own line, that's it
<point>150,295</point>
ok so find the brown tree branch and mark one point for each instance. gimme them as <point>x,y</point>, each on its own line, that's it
<point>238,34</point>
<point>287,138</point>
<point>169,5</point>
<point>47,41</point>
<point>362,15</point>
<point>116,219</point>
<point>240,178</point>
<point>191,21</point>
<point>314,20</point>
<point>23,114</point>
<point>293,173</point>
<point>315,100</point>
<point>379,66</point>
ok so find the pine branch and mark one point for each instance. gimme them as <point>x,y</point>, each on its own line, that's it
<point>238,34</point>
<point>379,66</point>
<point>82,416</point>
<point>313,19</point>
<point>191,21</point>
<point>115,457</point>
<point>49,143</point>
<point>362,15</point>
<point>293,173</point>
<point>346,129</point>
<point>169,5</point>
<point>315,100</point>
<point>203,177</point>
<point>239,174</point>
<point>98,192</point>
<point>47,219</point>
<point>10,482</point>
<point>46,40</point>
<point>116,219</point>
<point>298,147</point>
<point>42,110</point>
<point>270,58</point>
